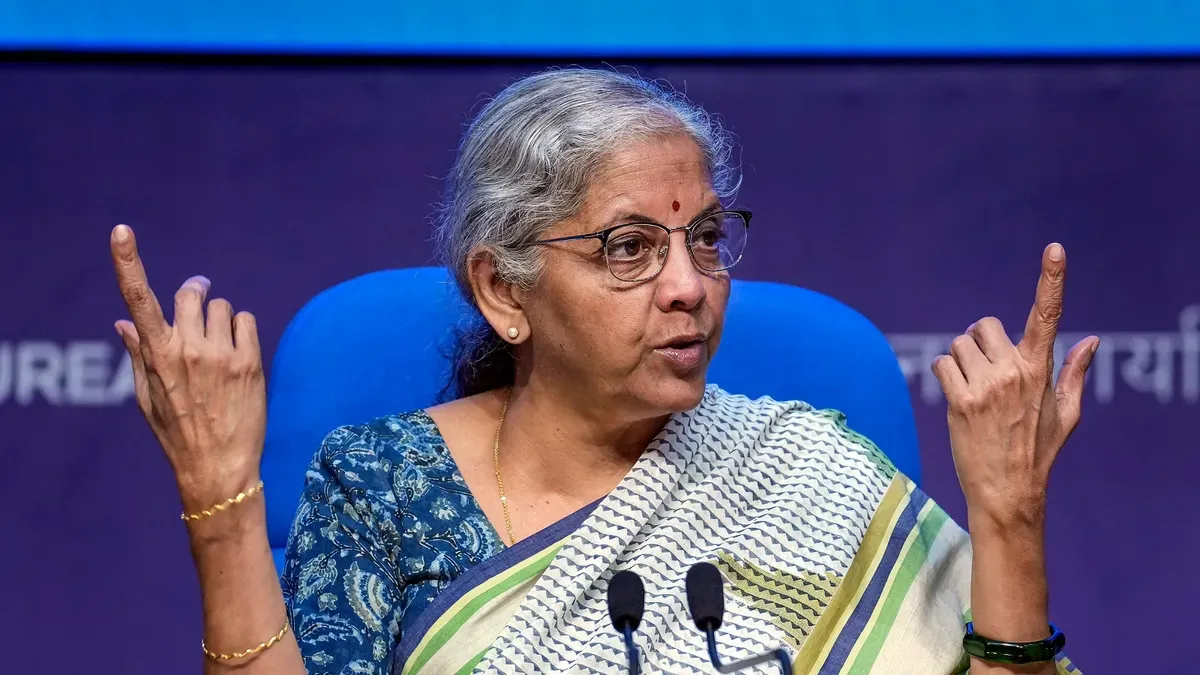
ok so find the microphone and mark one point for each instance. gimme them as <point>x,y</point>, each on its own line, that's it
<point>626,602</point>
<point>706,602</point>
<point>706,596</point>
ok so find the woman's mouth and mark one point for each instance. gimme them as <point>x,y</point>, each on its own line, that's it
<point>684,356</point>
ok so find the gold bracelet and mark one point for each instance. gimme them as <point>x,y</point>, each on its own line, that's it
<point>241,497</point>
<point>249,652</point>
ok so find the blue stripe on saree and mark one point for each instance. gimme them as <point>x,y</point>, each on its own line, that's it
<point>870,598</point>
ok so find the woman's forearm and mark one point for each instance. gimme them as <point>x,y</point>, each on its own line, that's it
<point>199,383</point>
<point>242,601</point>
<point>1009,592</point>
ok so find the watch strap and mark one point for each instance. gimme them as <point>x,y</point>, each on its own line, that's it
<point>997,651</point>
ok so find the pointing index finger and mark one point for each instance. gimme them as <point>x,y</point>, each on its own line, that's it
<point>135,289</point>
<point>1041,329</point>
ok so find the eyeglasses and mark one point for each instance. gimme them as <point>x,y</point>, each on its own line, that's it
<point>637,251</point>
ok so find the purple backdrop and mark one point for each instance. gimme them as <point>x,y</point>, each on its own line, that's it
<point>922,194</point>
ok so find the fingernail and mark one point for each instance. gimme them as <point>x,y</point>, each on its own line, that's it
<point>201,280</point>
<point>1056,252</point>
<point>117,327</point>
<point>121,234</point>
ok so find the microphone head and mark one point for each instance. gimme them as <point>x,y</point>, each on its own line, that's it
<point>706,595</point>
<point>626,600</point>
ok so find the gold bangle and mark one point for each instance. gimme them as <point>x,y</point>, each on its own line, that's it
<point>241,497</point>
<point>249,652</point>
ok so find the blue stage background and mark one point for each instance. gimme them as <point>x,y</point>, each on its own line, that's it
<point>921,194</point>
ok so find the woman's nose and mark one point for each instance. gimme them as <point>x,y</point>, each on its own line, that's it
<point>681,284</point>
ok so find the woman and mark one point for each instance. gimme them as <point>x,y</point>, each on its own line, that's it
<point>586,218</point>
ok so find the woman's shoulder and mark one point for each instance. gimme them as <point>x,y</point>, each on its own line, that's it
<point>801,426</point>
<point>396,441</point>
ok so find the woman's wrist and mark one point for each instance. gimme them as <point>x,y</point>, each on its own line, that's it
<point>201,489</point>
<point>1015,510</point>
<point>1009,590</point>
<point>245,525</point>
<point>236,522</point>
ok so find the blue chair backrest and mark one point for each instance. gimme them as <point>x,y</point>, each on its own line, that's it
<point>380,343</point>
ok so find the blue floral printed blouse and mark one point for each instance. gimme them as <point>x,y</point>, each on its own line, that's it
<point>386,522</point>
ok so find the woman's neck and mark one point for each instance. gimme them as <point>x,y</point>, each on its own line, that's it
<point>571,443</point>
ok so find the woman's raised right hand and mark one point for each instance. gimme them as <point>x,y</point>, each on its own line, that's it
<point>199,382</point>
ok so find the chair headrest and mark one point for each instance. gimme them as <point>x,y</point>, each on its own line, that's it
<point>381,344</point>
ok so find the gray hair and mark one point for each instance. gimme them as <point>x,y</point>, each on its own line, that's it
<point>525,163</point>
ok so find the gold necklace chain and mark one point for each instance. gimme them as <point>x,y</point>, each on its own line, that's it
<point>496,464</point>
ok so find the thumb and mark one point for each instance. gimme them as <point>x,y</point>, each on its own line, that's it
<point>1069,389</point>
<point>141,386</point>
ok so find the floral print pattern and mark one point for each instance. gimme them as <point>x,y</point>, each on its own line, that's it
<point>386,522</point>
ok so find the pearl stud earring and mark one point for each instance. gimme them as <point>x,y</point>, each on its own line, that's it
<point>513,332</point>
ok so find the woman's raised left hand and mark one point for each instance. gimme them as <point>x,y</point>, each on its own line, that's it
<point>1008,418</point>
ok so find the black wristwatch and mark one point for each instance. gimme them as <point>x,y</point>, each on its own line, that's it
<point>1014,652</point>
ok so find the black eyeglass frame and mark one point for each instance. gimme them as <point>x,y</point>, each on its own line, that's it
<point>604,234</point>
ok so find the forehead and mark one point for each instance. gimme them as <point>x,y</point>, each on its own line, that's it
<point>648,172</point>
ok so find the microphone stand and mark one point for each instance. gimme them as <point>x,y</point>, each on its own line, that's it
<point>780,654</point>
<point>635,658</point>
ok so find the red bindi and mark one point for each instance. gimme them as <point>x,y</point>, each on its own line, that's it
<point>674,206</point>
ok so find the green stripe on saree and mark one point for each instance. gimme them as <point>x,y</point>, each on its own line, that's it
<point>459,639</point>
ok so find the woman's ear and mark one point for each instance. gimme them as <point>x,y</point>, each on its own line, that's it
<point>499,301</point>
